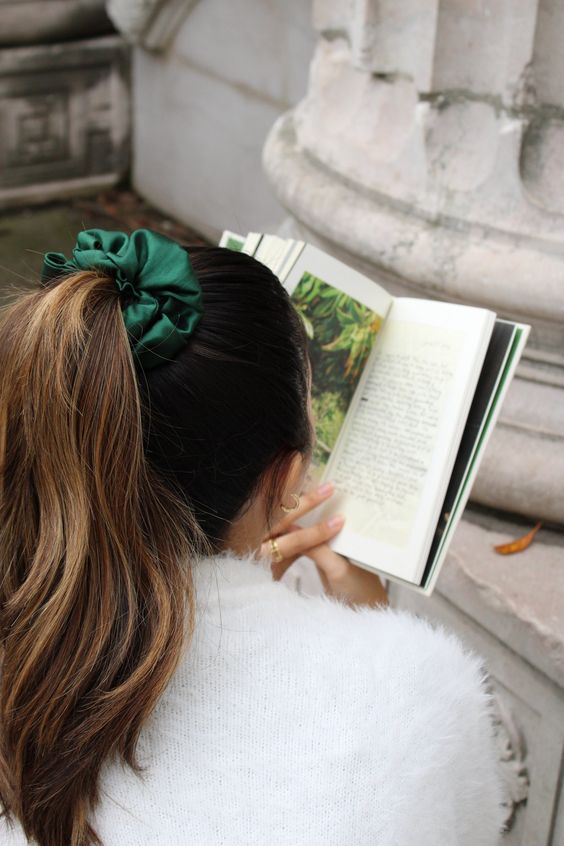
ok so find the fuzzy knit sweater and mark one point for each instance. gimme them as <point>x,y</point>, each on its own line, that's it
<point>299,721</point>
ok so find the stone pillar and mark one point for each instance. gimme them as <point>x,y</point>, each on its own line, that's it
<point>429,152</point>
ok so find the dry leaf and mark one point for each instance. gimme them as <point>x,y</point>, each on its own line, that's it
<point>518,545</point>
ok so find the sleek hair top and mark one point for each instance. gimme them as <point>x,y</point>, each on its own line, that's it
<point>234,402</point>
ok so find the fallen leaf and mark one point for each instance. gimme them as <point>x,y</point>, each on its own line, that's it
<point>518,545</point>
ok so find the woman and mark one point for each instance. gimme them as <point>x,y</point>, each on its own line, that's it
<point>158,686</point>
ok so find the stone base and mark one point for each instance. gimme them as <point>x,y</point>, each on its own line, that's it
<point>64,119</point>
<point>510,610</point>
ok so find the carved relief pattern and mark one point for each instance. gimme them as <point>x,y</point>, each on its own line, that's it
<point>62,118</point>
<point>485,88</point>
<point>37,129</point>
<point>512,758</point>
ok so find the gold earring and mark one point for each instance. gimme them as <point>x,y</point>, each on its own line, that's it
<point>288,509</point>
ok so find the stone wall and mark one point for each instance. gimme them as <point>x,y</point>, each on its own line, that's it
<point>208,82</point>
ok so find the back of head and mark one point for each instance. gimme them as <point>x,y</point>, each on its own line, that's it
<point>112,478</point>
<point>234,401</point>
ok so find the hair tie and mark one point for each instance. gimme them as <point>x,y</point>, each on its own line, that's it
<point>164,298</point>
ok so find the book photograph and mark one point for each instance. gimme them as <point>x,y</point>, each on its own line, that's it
<point>341,333</point>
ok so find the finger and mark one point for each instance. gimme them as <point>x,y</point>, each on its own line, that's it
<point>280,568</point>
<point>308,501</point>
<point>331,566</point>
<point>266,550</point>
<point>341,578</point>
<point>298,541</point>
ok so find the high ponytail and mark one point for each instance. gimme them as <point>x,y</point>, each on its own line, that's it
<point>96,600</point>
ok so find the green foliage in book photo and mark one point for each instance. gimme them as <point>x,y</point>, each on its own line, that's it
<point>341,332</point>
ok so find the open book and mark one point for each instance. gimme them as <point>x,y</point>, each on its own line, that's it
<point>405,395</point>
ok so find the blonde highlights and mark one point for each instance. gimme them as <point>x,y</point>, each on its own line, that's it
<point>96,600</point>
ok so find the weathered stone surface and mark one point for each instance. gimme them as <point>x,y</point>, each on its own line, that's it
<point>387,37</point>
<point>40,21</point>
<point>519,598</point>
<point>133,17</point>
<point>152,24</point>
<point>441,174</point>
<point>203,108</point>
<point>64,118</point>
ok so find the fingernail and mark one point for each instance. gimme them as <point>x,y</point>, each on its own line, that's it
<point>336,522</point>
<point>325,489</point>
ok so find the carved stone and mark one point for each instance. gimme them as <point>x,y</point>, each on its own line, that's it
<point>42,21</point>
<point>64,118</point>
<point>511,756</point>
<point>150,23</point>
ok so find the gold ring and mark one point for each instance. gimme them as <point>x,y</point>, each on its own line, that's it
<point>277,556</point>
<point>288,509</point>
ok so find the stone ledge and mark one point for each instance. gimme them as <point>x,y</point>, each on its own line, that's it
<point>38,21</point>
<point>518,598</point>
<point>65,54</point>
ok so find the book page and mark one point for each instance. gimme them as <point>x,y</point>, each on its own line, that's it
<point>342,313</point>
<point>252,242</point>
<point>339,275</point>
<point>271,251</point>
<point>232,241</point>
<point>505,349</point>
<point>288,259</point>
<point>410,378</point>
<point>393,460</point>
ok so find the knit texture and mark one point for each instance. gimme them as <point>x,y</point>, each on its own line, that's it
<point>297,720</point>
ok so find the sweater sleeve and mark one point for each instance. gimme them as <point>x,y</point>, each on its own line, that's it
<point>435,750</point>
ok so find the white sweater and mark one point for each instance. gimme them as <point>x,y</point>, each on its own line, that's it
<point>297,720</point>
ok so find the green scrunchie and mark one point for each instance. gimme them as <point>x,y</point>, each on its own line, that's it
<point>154,273</point>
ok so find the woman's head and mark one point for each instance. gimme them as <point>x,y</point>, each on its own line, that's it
<point>112,478</point>
<point>226,417</point>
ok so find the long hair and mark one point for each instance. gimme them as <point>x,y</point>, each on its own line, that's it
<point>111,481</point>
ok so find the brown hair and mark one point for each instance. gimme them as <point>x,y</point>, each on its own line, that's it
<point>95,590</point>
<point>111,480</point>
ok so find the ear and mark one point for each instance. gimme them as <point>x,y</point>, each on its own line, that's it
<point>286,494</point>
<point>281,480</point>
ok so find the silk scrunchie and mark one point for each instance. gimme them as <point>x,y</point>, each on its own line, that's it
<point>164,298</point>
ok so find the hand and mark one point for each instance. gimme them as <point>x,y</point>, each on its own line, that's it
<point>339,576</point>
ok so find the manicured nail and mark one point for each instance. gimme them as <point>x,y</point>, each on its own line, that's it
<point>336,522</point>
<point>325,489</point>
